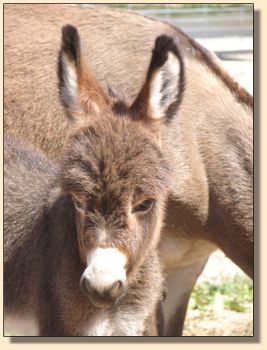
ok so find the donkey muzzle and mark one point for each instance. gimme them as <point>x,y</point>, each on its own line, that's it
<point>103,299</point>
<point>104,279</point>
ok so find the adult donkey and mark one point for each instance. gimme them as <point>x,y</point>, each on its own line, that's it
<point>98,218</point>
<point>210,141</point>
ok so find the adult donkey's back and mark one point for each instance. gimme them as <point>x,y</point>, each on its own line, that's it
<point>209,143</point>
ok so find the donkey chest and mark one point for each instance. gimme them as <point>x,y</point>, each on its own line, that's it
<point>99,325</point>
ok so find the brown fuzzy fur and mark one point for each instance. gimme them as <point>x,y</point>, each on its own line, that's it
<point>111,165</point>
<point>209,144</point>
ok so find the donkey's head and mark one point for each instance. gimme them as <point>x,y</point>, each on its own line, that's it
<point>114,167</point>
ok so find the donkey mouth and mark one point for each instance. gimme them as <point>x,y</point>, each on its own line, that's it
<point>105,299</point>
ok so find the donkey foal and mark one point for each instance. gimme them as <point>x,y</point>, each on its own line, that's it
<point>80,240</point>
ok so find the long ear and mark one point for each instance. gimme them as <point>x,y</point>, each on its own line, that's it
<point>80,92</point>
<point>162,91</point>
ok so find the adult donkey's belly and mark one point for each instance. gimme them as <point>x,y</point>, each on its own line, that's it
<point>184,254</point>
<point>184,260</point>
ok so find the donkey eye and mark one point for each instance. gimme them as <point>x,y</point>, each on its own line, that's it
<point>78,204</point>
<point>144,207</point>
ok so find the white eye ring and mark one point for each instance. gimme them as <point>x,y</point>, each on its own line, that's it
<point>144,207</point>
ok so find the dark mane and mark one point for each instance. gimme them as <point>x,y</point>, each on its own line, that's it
<point>241,93</point>
<point>204,54</point>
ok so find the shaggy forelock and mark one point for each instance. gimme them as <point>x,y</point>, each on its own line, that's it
<point>115,154</point>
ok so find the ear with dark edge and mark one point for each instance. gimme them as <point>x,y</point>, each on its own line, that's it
<point>162,91</point>
<point>80,92</point>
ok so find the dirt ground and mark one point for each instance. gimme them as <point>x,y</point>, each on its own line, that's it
<point>220,322</point>
<point>225,323</point>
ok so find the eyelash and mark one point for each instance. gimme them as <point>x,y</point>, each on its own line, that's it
<point>141,209</point>
<point>78,205</point>
<point>144,207</point>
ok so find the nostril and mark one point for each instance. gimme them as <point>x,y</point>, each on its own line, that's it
<point>116,285</point>
<point>83,286</point>
<point>116,289</point>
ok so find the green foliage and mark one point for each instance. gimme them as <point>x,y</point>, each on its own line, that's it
<point>177,6</point>
<point>162,5</point>
<point>234,294</point>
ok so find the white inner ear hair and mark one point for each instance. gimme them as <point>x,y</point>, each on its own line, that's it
<point>164,87</point>
<point>70,86</point>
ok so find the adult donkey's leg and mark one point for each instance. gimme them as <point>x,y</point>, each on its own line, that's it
<point>180,281</point>
<point>184,261</point>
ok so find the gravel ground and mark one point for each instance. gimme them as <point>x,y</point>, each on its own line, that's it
<point>226,323</point>
<point>219,322</point>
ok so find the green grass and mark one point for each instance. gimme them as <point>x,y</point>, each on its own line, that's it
<point>234,294</point>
